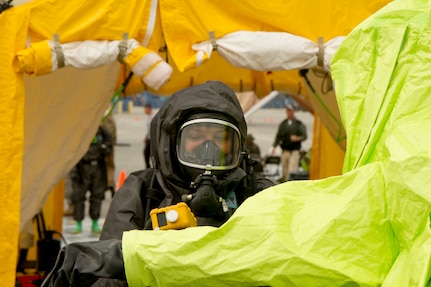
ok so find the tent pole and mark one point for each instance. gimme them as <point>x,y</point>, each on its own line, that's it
<point>261,103</point>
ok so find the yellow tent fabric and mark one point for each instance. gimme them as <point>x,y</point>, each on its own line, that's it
<point>44,139</point>
<point>192,21</point>
<point>324,148</point>
<point>12,141</point>
<point>329,135</point>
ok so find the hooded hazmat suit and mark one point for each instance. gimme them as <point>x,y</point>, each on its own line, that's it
<point>168,180</point>
<point>163,185</point>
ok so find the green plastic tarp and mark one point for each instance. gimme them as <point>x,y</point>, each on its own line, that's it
<point>367,227</point>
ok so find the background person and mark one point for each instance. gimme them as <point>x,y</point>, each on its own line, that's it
<point>90,175</point>
<point>291,132</point>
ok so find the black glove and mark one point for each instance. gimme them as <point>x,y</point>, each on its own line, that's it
<point>83,263</point>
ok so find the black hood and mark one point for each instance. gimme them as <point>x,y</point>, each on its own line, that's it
<point>213,97</point>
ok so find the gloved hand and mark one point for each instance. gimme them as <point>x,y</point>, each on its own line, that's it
<point>81,264</point>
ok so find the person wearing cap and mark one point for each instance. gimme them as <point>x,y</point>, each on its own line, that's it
<point>291,132</point>
<point>198,157</point>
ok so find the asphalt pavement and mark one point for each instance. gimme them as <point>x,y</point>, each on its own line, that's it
<point>128,154</point>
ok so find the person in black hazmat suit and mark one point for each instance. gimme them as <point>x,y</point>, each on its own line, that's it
<point>90,174</point>
<point>198,157</point>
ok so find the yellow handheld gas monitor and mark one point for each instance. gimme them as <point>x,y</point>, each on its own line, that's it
<point>177,216</point>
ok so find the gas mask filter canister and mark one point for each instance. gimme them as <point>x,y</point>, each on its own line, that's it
<point>211,146</point>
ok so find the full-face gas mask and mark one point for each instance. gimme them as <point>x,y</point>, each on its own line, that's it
<point>209,144</point>
<point>210,151</point>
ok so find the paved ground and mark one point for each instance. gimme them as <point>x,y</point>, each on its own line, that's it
<point>128,151</point>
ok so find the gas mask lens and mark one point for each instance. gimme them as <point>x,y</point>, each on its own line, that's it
<point>209,144</point>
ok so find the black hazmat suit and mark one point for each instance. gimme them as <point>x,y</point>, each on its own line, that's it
<point>90,174</point>
<point>168,181</point>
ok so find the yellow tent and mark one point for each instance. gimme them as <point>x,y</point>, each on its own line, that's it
<point>62,61</point>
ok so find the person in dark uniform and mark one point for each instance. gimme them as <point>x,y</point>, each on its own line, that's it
<point>90,175</point>
<point>291,132</point>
